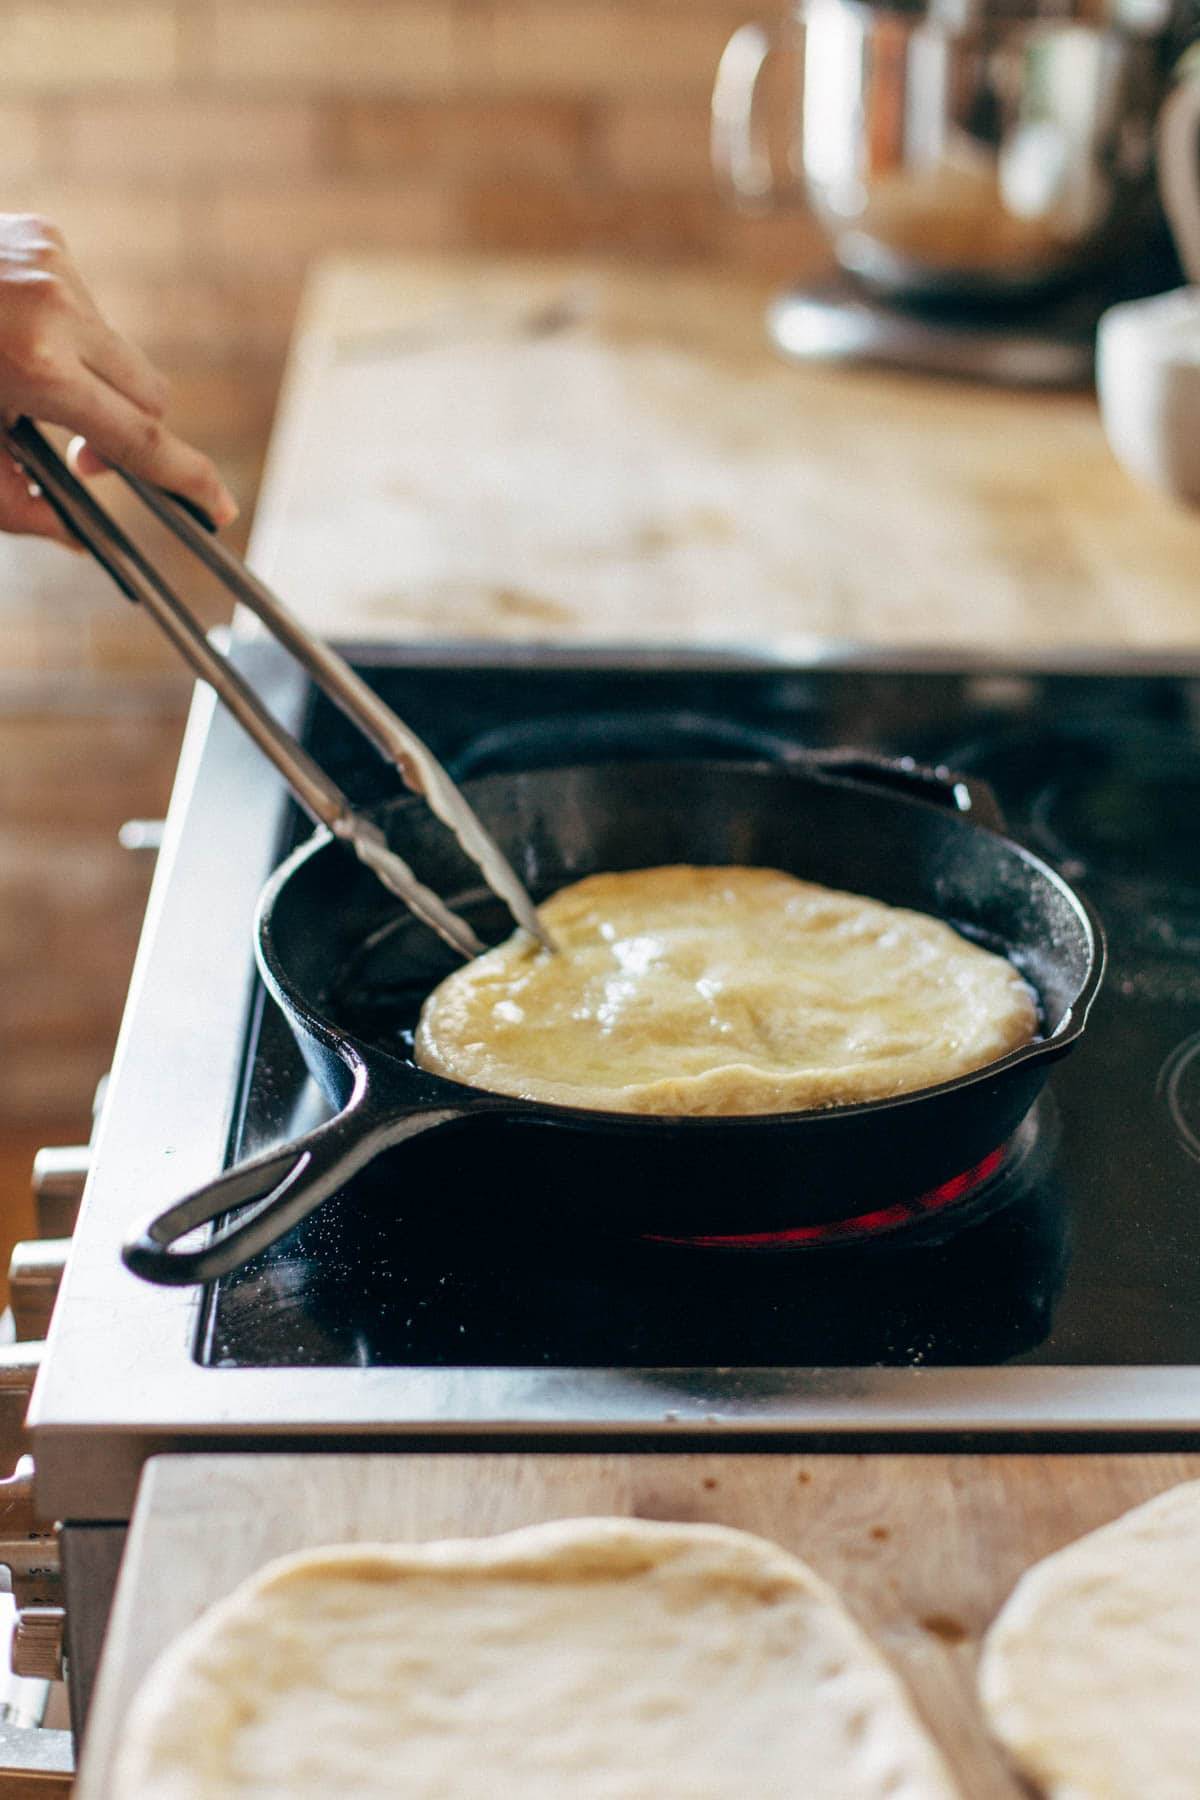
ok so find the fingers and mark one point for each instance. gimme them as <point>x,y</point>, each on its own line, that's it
<point>61,363</point>
<point>27,513</point>
<point>119,432</point>
<point>50,319</point>
<point>126,369</point>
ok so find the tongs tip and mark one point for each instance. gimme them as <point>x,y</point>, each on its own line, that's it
<point>539,932</point>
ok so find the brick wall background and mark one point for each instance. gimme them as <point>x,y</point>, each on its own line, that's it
<point>197,155</point>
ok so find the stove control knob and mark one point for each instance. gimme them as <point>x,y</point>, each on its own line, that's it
<point>28,1549</point>
<point>142,834</point>
<point>19,1365</point>
<point>34,1275</point>
<point>37,1643</point>
<point>59,1174</point>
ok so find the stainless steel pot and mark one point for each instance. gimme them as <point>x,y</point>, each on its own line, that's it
<point>954,154</point>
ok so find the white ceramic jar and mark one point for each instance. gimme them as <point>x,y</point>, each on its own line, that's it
<point>1148,382</point>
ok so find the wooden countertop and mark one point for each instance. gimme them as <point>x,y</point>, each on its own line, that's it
<point>924,1549</point>
<point>561,452</point>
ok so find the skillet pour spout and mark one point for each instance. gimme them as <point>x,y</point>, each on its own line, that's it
<point>915,837</point>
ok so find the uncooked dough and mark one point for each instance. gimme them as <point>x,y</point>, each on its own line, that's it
<point>1090,1675</point>
<point>588,1659</point>
<point>723,990</point>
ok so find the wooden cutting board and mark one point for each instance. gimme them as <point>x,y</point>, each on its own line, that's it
<point>924,1549</point>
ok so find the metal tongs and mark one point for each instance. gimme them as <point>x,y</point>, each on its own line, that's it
<point>321,797</point>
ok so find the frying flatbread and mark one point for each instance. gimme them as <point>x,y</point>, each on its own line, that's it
<point>727,990</point>
<point>1090,1675</point>
<point>600,1659</point>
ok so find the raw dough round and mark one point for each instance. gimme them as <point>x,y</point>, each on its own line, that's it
<point>726,990</point>
<point>1090,1675</point>
<point>587,1659</point>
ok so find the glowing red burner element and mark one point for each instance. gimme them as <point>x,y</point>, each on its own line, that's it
<point>861,1225</point>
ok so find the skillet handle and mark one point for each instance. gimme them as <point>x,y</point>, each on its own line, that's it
<point>938,786</point>
<point>289,1182</point>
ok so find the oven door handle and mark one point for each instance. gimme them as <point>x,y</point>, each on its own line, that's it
<point>283,1186</point>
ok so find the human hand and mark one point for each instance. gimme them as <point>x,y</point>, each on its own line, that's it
<point>61,363</point>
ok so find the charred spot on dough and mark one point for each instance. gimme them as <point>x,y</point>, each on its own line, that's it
<point>941,1625</point>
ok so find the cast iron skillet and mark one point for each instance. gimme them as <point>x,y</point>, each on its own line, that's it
<point>350,976</point>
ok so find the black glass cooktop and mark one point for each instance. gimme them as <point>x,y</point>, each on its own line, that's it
<point>1080,1245</point>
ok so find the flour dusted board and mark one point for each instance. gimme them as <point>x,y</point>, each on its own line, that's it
<point>590,1658</point>
<point>924,1549</point>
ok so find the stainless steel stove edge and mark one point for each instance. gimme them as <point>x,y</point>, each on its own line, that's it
<point>88,1470</point>
<point>800,652</point>
<point>173,1090</point>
